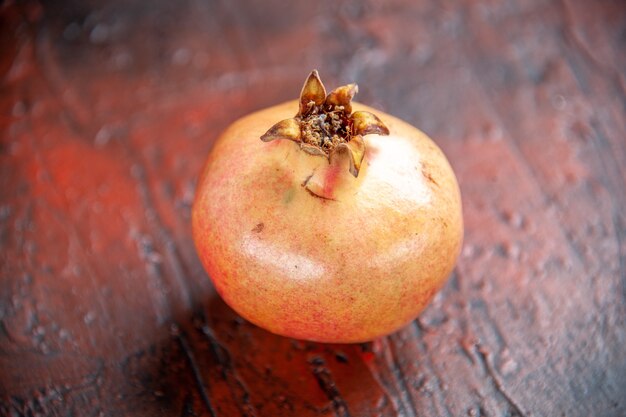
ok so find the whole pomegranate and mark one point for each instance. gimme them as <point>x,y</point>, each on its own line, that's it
<point>342,233</point>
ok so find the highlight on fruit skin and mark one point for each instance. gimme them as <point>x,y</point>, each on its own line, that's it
<point>326,126</point>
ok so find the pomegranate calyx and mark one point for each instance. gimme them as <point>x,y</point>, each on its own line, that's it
<point>285,129</point>
<point>355,150</point>
<point>342,97</point>
<point>313,93</point>
<point>366,123</point>
<point>325,125</point>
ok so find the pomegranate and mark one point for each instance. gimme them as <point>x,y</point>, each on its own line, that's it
<point>341,233</point>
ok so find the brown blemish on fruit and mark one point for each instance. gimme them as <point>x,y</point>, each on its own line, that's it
<point>258,228</point>
<point>426,173</point>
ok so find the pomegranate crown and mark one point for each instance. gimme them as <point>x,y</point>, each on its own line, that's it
<point>325,124</point>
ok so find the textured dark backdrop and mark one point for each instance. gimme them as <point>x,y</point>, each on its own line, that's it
<point>107,111</point>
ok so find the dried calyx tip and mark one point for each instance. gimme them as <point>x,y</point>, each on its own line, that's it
<point>325,124</point>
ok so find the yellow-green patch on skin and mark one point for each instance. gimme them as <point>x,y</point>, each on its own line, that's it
<point>288,196</point>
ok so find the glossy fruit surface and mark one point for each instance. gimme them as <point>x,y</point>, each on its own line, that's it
<point>298,245</point>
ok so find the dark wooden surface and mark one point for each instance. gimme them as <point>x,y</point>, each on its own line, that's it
<point>107,111</point>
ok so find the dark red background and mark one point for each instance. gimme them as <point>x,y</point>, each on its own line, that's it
<point>107,111</point>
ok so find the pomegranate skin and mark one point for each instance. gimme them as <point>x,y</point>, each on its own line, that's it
<point>303,249</point>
